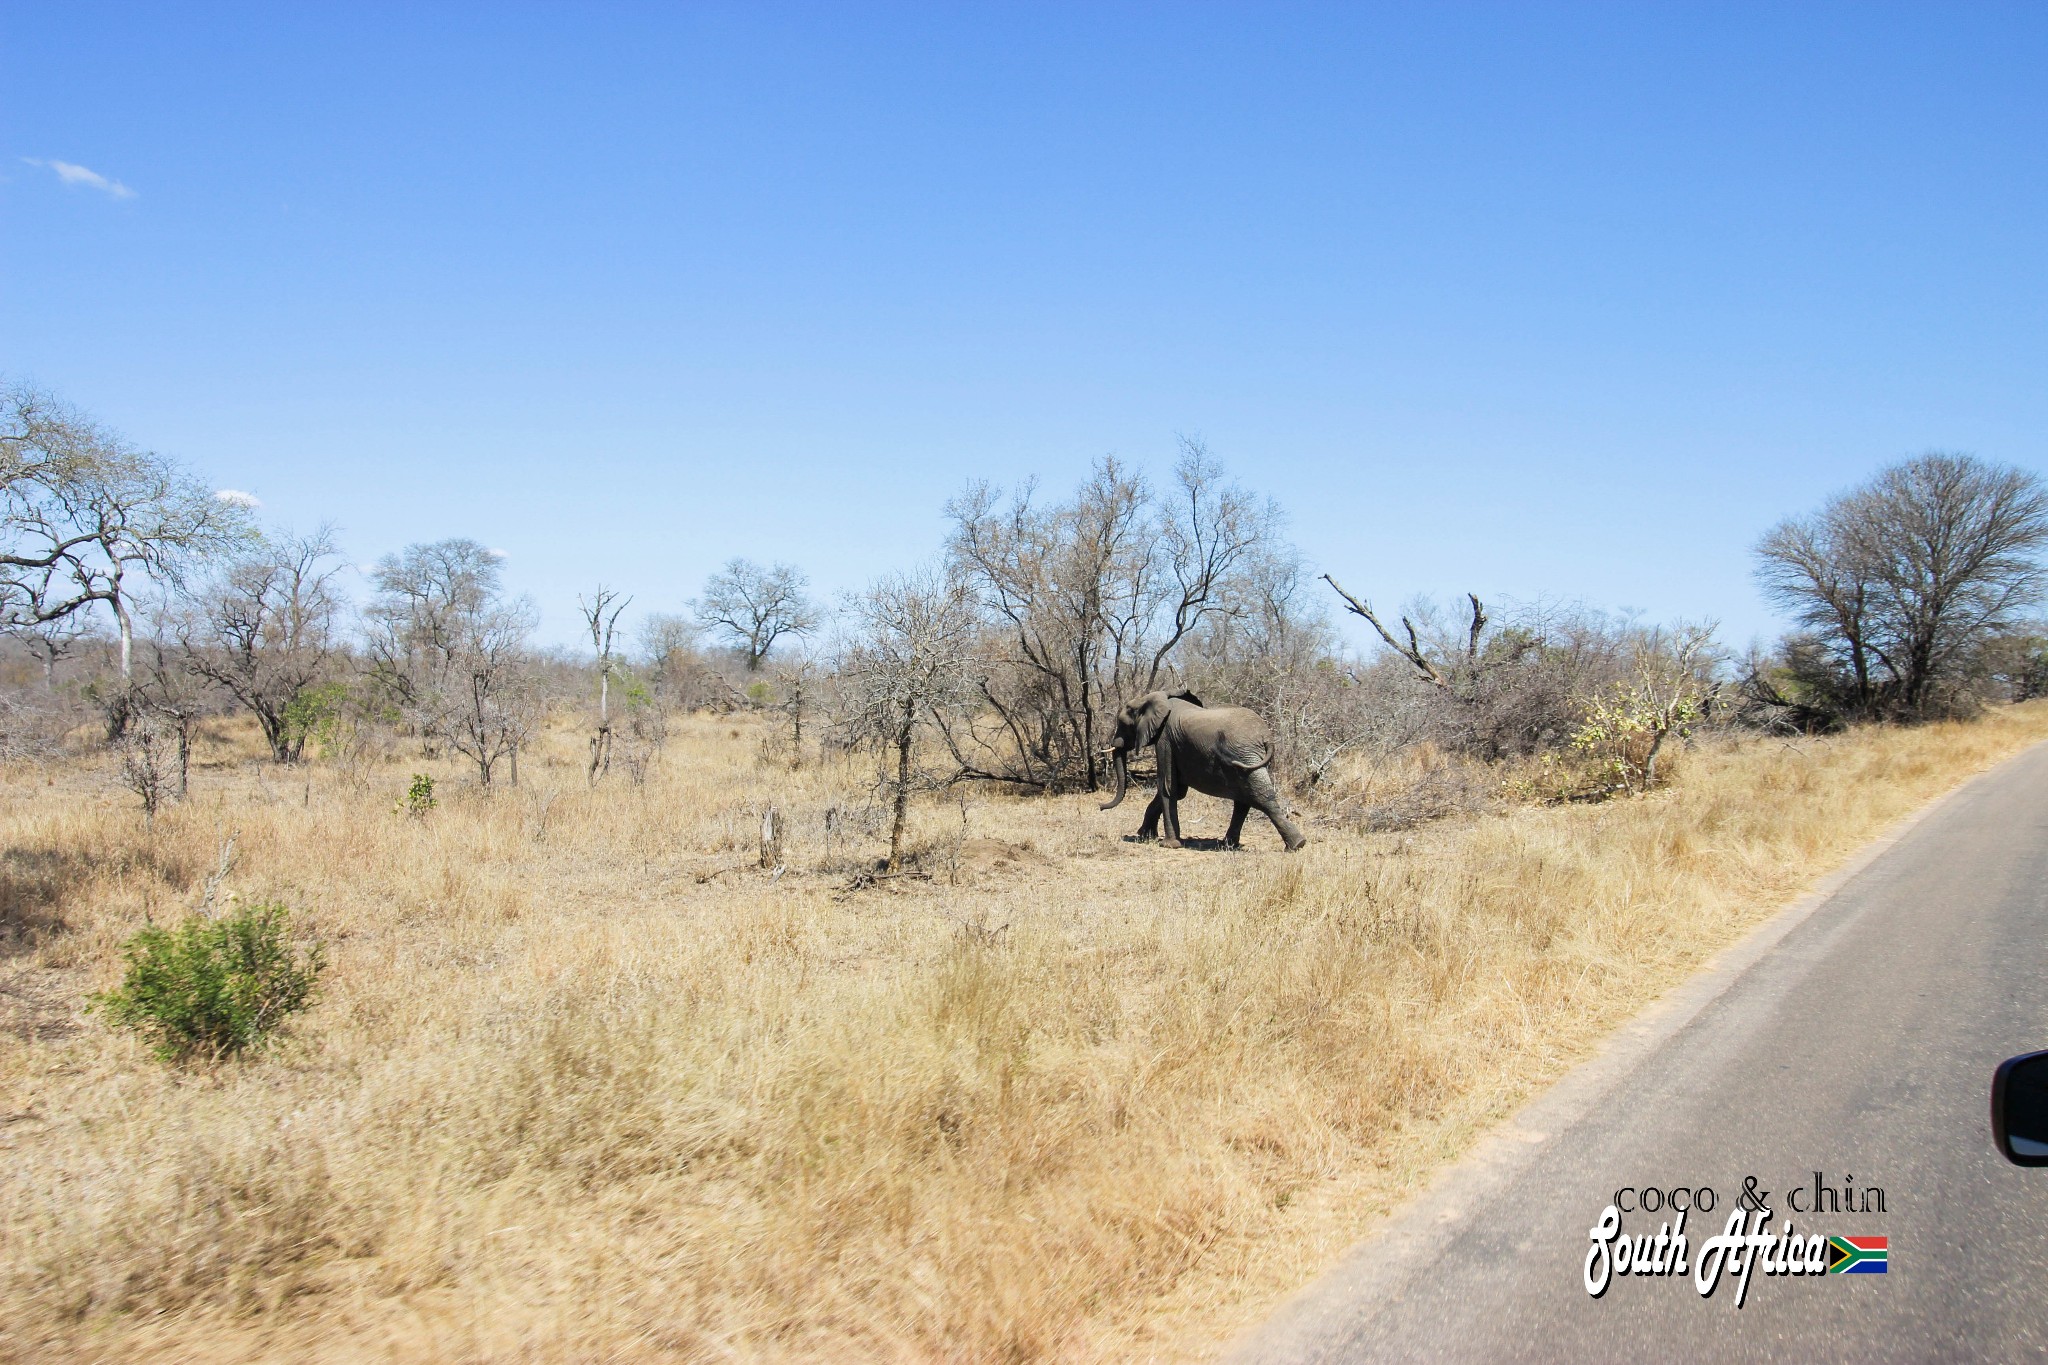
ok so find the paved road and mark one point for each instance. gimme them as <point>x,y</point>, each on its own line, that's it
<point>1860,1043</point>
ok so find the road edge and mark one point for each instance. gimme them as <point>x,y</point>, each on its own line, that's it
<point>1419,1228</point>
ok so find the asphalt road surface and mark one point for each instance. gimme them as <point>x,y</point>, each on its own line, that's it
<point>1856,1038</point>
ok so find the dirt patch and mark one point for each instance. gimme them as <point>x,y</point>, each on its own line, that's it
<point>39,1005</point>
<point>985,857</point>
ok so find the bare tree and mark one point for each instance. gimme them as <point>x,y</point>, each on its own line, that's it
<point>86,518</point>
<point>601,614</point>
<point>681,677</point>
<point>50,642</point>
<point>430,600</point>
<point>1215,540</point>
<point>39,437</point>
<point>905,665</point>
<point>265,633</point>
<point>44,447</point>
<point>149,764</point>
<point>446,647</point>
<point>1810,566</point>
<point>171,700</point>
<point>164,702</point>
<point>1438,672</point>
<point>796,689</point>
<point>753,607</point>
<point>1902,579</point>
<point>1064,588</point>
<point>492,707</point>
<point>663,634</point>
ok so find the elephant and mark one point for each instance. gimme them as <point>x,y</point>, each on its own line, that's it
<point>1224,751</point>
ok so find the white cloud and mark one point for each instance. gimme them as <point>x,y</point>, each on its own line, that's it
<point>497,554</point>
<point>235,497</point>
<point>72,174</point>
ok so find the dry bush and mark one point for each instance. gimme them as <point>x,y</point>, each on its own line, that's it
<point>33,725</point>
<point>1411,787</point>
<point>616,1093</point>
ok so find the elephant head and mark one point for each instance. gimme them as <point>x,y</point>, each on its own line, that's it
<point>1137,727</point>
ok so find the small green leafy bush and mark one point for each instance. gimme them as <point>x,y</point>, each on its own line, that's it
<point>211,988</point>
<point>315,713</point>
<point>418,798</point>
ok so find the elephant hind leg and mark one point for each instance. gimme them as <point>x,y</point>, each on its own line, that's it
<point>1266,797</point>
<point>1238,810</point>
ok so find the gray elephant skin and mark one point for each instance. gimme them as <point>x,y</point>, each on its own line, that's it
<point>1223,751</point>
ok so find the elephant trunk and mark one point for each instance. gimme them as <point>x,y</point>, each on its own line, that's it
<point>1123,778</point>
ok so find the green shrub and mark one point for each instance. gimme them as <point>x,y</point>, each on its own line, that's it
<point>418,798</point>
<point>315,713</point>
<point>212,987</point>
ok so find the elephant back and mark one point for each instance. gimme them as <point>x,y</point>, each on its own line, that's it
<point>1231,734</point>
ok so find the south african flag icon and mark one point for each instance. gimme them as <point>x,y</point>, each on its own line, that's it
<point>1859,1255</point>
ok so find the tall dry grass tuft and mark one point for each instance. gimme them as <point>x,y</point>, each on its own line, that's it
<point>585,1082</point>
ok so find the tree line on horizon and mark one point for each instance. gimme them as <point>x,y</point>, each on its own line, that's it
<point>133,594</point>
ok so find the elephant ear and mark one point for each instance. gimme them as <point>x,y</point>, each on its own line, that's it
<point>1186,696</point>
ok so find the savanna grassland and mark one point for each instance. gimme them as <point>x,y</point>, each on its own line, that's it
<point>585,1082</point>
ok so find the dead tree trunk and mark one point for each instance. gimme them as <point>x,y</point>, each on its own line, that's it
<point>1412,651</point>
<point>904,737</point>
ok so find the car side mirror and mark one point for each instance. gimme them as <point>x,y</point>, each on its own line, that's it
<point>2019,1109</point>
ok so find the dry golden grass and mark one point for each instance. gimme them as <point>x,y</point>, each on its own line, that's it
<point>585,1084</point>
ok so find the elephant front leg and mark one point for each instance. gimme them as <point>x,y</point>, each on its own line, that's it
<point>1149,830</point>
<point>1169,804</point>
<point>1172,825</point>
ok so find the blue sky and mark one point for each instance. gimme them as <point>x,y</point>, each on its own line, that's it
<point>1567,301</point>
